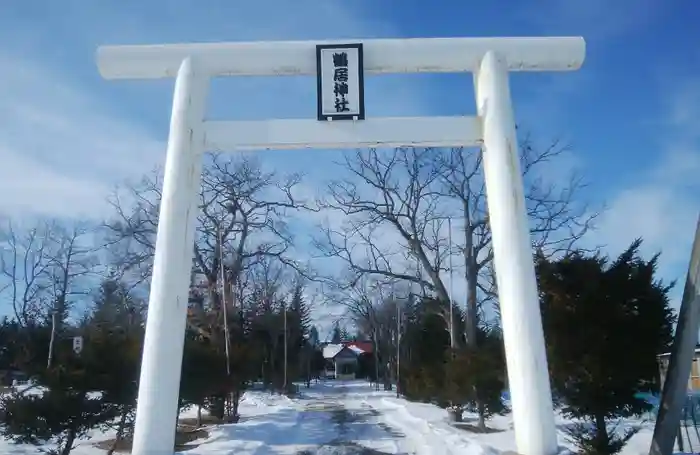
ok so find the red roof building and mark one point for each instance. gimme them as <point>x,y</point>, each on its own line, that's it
<point>359,346</point>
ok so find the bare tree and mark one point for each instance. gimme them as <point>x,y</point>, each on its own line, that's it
<point>360,301</point>
<point>131,232</point>
<point>244,212</point>
<point>372,306</point>
<point>24,264</point>
<point>72,257</point>
<point>393,194</point>
<point>557,220</point>
<point>395,205</point>
<point>243,219</point>
<point>266,306</point>
<point>43,267</point>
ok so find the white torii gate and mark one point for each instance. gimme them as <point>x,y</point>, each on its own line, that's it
<point>489,59</point>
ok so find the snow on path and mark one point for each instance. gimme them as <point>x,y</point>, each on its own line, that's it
<point>430,432</point>
<point>326,419</point>
<point>345,418</point>
<point>424,436</point>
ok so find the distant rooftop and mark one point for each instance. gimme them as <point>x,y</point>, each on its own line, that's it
<point>330,350</point>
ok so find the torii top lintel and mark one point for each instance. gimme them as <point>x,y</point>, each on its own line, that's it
<point>279,58</point>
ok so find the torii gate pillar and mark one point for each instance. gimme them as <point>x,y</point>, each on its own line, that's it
<point>490,59</point>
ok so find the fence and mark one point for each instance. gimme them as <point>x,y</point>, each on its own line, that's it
<point>688,439</point>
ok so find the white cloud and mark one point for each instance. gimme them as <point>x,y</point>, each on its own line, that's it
<point>29,188</point>
<point>65,140</point>
<point>61,152</point>
<point>663,207</point>
<point>659,213</point>
<point>55,127</point>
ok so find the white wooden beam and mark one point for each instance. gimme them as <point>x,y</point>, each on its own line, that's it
<point>228,136</point>
<point>275,58</point>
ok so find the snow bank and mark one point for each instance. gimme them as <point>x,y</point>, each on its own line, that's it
<point>428,424</point>
<point>253,403</point>
<point>273,423</point>
<point>259,399</point>
<point>430,419</point>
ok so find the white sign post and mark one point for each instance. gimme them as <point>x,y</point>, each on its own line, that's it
<point>490,59</point>
<point>78,344</point>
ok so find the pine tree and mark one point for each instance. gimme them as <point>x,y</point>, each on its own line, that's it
<point>203,374</point>
<point>337,335</point>
<point>115,306</point>
<point>427,341</point>
<point>118,318</point>
<point>11,333</point>
<point>344,334</point>
<point>67,410</point>
<point>300,310</point>
<point>299,326</point>
<point>475,376</point>
<point>314,337</point>
<point>605,323</point>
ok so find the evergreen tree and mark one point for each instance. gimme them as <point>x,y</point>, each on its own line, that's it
<point>117,318</point>
<point>11,333</point>
<point>344,334</point>
<point>314,338</point>
<point>121,348</point>
<point>427,341</point>
<point>114,306</point>
<point>337,334</point>
<point>300,310</point>
<point>315,355</point>
<point>605,323</point>
<point>203,375</point>
<point>475,376</point>
<point>300,347</point>
<point>67,410</point>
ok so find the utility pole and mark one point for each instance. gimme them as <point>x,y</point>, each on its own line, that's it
<point>376,353</point>
<point>222,278</point>
<point>53,337</point>
<point>398,347</point>
<point>449,299</point>
<point>285,345</point>
<point>675,385</point>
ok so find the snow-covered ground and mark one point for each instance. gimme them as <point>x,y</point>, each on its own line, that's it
<point>336,417</point>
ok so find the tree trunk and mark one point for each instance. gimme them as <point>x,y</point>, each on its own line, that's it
<point>284,380</point>
<point>273,370</point>
<point>387,376</point>
<point>482,415</point>
<point>236,401</point>
<point>602,441</point>
<point>308,370</point>
<point>53,338</point>
<point>376,360</point>
<point>471,320</point>
<point>68,445</point>
<point>120,431</point>
<point>177,417</point>
<point>199,415</point>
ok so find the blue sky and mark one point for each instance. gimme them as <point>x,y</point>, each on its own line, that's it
<point>631,113</point>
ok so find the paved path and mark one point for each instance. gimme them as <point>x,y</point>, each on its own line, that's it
<point>357,426</point>
<point>330,418</point>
